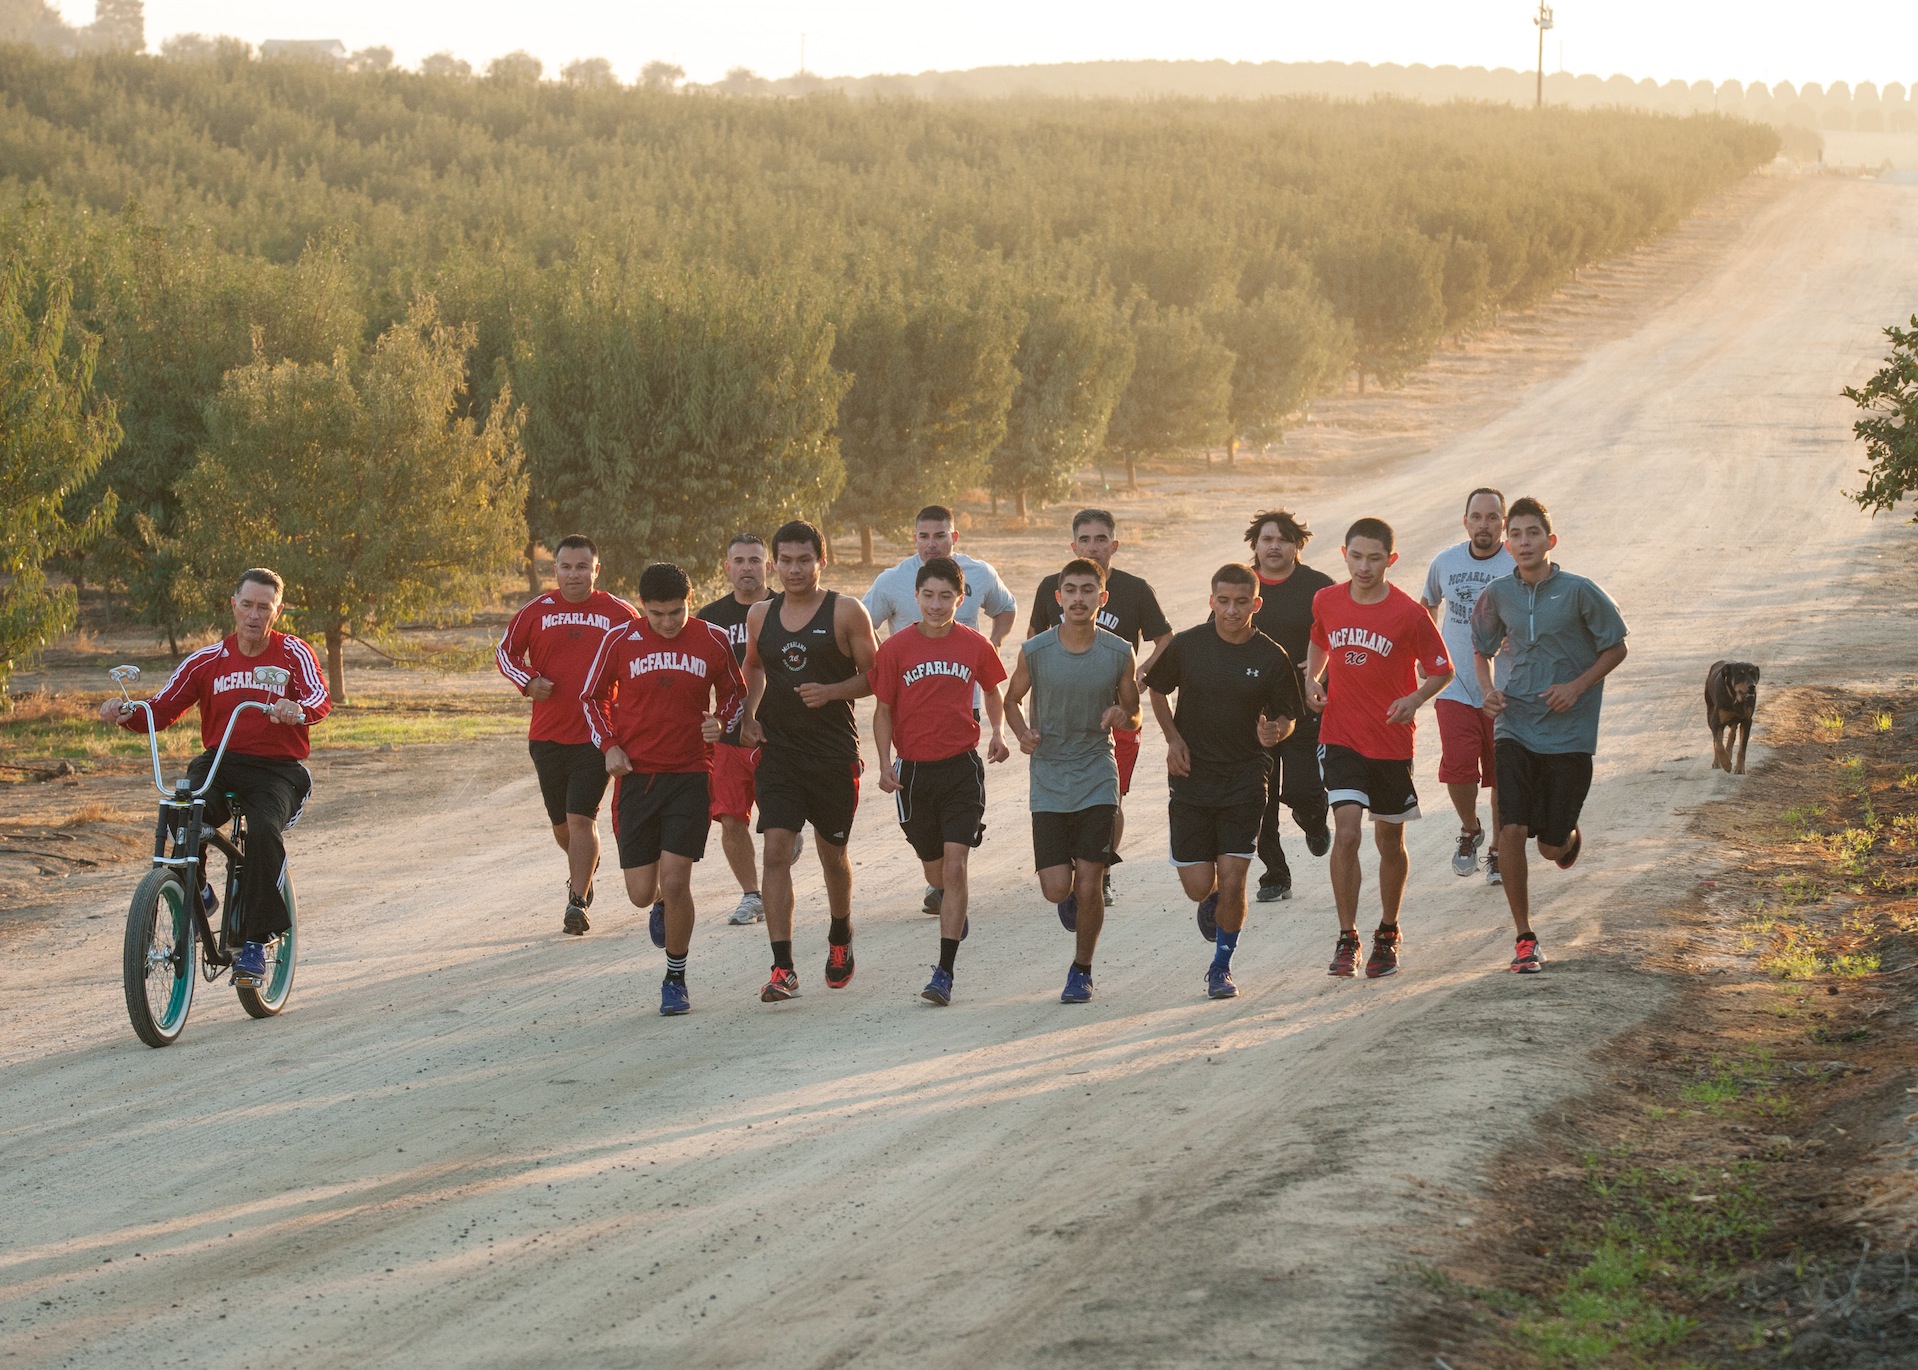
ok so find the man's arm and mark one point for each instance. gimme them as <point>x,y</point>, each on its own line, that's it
<point>749,730</point>
<point>1178,757</point>
<point>996,716</point>
<point>1159,644</point>
<point>312,701</point>
<point>853,630</point>
<point>1561,697</point>
<point>596,695</point>
<point>882,739</point>
<point>1125,713</point>
<point>1404,708</point>
<point>1016,690</point>
<point>180,693</point>
<point>1316,658</point>
<point>1002,624</point>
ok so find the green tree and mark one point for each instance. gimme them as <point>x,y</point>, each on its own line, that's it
<point>1890,428</point>
<point>589,73</point>
<point>1388,283</point>
<point>54,433</point>
<point>359,483</point>
<point>1285,345</point>
<point>1073,362</point>
<point>668,410</point>
<point>932,380</point>
<point>1179,395</point>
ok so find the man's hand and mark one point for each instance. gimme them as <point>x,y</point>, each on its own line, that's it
<point>1314,694</point>
<point>813,695</point>
<point>286,711</point>
<point>1273,731</point>
<point>113,710</point>
<point>1178,757</point>
<point>711,728</point>
<point>888,778</point>
<point>1494,704</point>
<point>539,687</point>
<point>996,749</point>
<point>751,733</point>
<point>1113,719</point>
<point>1561,697</point>
<point>1028,739</point>
<point>617,762</point>
<point>1403,710</point>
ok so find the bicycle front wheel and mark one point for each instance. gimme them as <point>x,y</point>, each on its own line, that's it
<point>161,959</point>
<point>270,995</point>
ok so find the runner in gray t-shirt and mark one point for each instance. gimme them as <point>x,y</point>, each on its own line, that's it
<point>1083,685</point>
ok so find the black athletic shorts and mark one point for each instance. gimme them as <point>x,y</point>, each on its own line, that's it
<point>1542,792</point>
<point>1059,839</point>
<point>793,791</point>
<point>1383,787</point>
<point>656,813</point>
<point>941,802</point>
<point>1205,832</point>
<point>572,778</point>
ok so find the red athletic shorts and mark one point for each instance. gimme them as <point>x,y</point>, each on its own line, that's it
<point>1465,744</point>
<point>733,769</point>
<point>1125,750</point>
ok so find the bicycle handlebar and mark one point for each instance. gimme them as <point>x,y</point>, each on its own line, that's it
<point>265,675</point>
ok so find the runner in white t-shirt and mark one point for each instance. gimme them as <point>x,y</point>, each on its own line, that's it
<point>1465,730</point>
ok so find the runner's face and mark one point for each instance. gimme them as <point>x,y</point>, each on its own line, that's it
<point>798,567</point>
<point>1484,524</point>
<point>1079,599</point>
<point>934,540</point>
<point>1529,543</point>
<point>1367,561</point>
<point>577,570</point>
<point>938,602</point>
<point>1233,607</point>
<point>746,569</point>
<point>1276,554</point>
<point>255,607</point>
<point>1095,542</point>
<point>665,616</point>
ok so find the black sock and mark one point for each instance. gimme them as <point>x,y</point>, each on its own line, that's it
<point>1082,967</point>
<point>948,953</point>
<point>676,968</point>
<point>839,932</point>
<point>782,955</point>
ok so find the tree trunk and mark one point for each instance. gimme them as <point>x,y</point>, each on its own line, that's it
<point>1361,380</point>
<point>173,641</point>
<point>865,544</point>
<point>533,585</point>
<point>1019,503</point>
<point>1131,475</point>
<point>336,662</point>
<point>1231,452</point>
<point>992,494</point>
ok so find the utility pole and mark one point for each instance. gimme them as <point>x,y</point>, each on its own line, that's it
<point>1544,21</point>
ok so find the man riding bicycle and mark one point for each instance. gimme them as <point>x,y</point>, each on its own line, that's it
<point>262,769</point>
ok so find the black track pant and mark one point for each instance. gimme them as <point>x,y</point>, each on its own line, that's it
<point>1295,784</point>
<point>269,793</point>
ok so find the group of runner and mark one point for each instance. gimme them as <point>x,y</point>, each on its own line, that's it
<point>1296,693</point>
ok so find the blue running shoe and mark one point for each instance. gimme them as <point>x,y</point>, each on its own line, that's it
<point>1218,983</point>
<point>1069,913</point>
<point>1078,988</point>
<point>656,925</point>
<point>673,1000</point>
<point>1209,917</point>
<point>249,967</point>
<point>938,990</point>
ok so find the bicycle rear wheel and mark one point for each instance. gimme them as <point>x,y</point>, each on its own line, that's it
<point>270,995</point>
<point>161,959</point>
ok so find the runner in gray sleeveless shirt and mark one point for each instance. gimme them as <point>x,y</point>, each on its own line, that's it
<point>1083,685</point>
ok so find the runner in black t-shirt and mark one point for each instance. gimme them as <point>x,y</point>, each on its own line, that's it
<point>734,763</point>
<point>1286,587</point>
<point>1238,695</point>
<point>1131,612</point>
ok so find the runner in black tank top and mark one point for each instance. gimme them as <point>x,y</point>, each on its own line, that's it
<point>806,656</point>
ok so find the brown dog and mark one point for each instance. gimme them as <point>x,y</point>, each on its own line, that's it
<point>1731,698</point>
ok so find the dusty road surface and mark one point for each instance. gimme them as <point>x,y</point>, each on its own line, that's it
<point>474,1142</point>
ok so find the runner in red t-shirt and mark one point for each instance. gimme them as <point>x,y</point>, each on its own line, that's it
<point>923,678</point>
<point>545,652</point>
<point>1370,640</point>
<point>645,703</point>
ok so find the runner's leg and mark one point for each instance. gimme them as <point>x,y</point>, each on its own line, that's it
<point>1088,882</point>
<point>736,840</point>
<point>1511,867</point>
<point>676,888</point>
<point>1199,880</point>
<point>642,885</point>
<point>1394,865</point>
<point>776,887</point>
<point>580,841</point>
<point>1232,876</point>
<point>1347,879</point>
<point>1465,800</point>
<point>1056,882</point>
<point>836,865</point>
<point>952,910</point>
<point>1271,853</point>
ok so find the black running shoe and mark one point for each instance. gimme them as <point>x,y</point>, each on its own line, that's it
<point>1318,840</point>
<point>1570,858</point>
<point>575,923</point>
<point>1272,894</point>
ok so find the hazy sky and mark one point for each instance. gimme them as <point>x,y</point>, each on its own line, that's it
<point>1807,40</point>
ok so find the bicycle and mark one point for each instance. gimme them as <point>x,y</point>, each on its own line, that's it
<point>169,928</point>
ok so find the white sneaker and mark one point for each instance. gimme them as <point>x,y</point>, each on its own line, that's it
<point>1465,857</point>
<point>750,910</point>
<point>1492,877</point>
<point>934,897</point>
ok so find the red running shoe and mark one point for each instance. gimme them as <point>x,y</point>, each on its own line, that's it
<point>783,984</point>
<point>1384,959</point>
<point>1527,959</point>
<point>1345,956</point>
<point>839,966</point>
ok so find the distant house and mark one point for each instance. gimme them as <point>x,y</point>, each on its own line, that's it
<point>330,51</point>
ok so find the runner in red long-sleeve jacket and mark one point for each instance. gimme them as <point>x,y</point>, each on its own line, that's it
<point>262,768</point>
<point>645,702</point>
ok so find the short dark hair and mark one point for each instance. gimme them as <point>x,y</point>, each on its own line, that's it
<point>750,539</point>
<point>933,513</point>
<point>1498,495</point>
<point>259,575</point>
<point>1289,527</point>
<point>1234,573</point>
<point>797,531</point>
<point>1527,507</point>
<point>940,568</point>
<point>1085,516</point>
<point>1080,567</point>
<point>1377,529</point>
<point>663,583</point>
<point>573,540</point>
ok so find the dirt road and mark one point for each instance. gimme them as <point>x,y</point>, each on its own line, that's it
<point>473,1142</point>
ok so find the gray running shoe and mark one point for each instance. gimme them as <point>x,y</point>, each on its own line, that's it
<point>1272,894</point>
<point>749,910</point>
<point>1465,858</point>
<point>1492,877</point>
<point>934,897</point>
